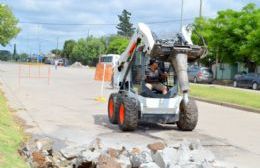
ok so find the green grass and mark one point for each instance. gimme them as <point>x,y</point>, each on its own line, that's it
<point>226,95</point>
<point>10,138</point>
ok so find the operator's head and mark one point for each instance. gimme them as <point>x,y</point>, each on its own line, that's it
<point>153,64</point>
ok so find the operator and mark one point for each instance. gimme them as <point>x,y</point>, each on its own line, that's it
<point>154,76</point>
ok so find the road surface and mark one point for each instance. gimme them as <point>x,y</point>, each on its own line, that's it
<point>66,110</point>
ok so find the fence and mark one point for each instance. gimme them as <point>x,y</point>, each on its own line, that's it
<point>34,71</point>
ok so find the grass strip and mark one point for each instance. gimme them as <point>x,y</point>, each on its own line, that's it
<point>11,137</point>
<point>226,95</point>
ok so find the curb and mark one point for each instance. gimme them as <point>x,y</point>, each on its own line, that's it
<point>228,105</point>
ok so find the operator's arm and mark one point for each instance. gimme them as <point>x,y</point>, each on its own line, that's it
<point>162,75</point>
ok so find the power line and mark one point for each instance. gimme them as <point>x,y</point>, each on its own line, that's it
<point>170,21</point>
<point>67,24</point>
<point>99,24</point>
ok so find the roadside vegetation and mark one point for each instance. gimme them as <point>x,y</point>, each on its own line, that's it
<point>232,37</point>
<point>226,95</point>
<point>87,50</point>
<point>10,138</point>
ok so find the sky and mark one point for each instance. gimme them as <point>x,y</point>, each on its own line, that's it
<point>46,24</point>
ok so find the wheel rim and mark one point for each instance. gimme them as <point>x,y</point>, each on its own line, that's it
<point>121,114</point>
<point>111,108</point>
<point>254,86</point>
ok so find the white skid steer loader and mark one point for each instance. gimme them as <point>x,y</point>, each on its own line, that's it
<point>134,101</point>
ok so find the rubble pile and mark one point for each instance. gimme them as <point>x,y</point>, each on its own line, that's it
<point>77,65</point>
<point>40,154</point>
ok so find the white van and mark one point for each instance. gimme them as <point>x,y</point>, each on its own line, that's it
<point>109,59</point>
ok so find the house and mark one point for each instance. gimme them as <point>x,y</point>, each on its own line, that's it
<point>5,55</point>
<point>225,71</point>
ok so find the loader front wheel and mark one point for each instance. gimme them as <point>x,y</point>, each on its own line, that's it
<point>112,108</point>
<point>128,114</point>
<point>188,116</point>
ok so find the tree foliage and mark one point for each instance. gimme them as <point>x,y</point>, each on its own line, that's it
<point>57,52</point>
<point>8,25</point>
<point>233,36</point>
<point>117,44</point>
<point>125,27</point>
<point>68,48</point>
<point>88,50</point>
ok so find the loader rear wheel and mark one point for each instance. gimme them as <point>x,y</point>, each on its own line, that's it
<point>188,116</point>
<point>112,108</point>
<point>128,113</point>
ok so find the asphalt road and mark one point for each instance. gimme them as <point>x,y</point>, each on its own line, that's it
<point>66,110</point>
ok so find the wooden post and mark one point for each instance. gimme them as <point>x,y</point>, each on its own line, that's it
<point>103,80</point>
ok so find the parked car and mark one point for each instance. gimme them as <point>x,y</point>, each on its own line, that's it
<point>197,74</point>
<point>60,62</point>
<point>249,80</point>
<point>239,74</point>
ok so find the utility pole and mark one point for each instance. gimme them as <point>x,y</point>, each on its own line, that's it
<point>57,47</point>
<point>14,54</point>
<point>88,34</point>
<point>201,8</point>
<point>181,14</point>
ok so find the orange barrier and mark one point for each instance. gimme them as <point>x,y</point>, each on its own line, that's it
<point>33,71</point>
<point>103,72</point>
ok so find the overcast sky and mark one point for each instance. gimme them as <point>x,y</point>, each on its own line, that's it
<point>86,12</point>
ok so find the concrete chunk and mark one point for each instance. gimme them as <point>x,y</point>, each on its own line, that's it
<point>138,159</point>
<point>165,158</point>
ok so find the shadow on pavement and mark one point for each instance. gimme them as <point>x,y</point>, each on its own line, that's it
<point>144,128</point>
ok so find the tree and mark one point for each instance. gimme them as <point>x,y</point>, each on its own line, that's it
<point>88,50</point>
<point>68,48</point>
<point>233,36</point>
<point>125,27</point>
<point>8,25</point>
<point>23,56</point>
<point>57,52</point>
<point>117,44</point>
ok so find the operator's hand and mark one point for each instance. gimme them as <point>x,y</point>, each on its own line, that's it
<point>164,75</point>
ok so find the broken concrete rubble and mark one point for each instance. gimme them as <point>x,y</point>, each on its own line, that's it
<point>188,154</point>
<point>156,146</point>
<point>138,159</point>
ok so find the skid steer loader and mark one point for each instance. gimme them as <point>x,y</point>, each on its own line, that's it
<point>134,101</point>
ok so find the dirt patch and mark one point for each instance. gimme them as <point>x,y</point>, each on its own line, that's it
<point>39,159</point>
<point>107,162</point>
<point>156,146</point>
<point>1,158</point>
<point>20,122</point>
<point>223,82</point>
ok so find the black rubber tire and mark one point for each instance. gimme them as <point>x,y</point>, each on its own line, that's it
<point>235,84</point>
<point>113,118</point>
<point>130,105</point>
<point>255,86</point>
<point>188,116</point>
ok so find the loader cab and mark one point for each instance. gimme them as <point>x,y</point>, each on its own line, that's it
<point>138,76</point>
